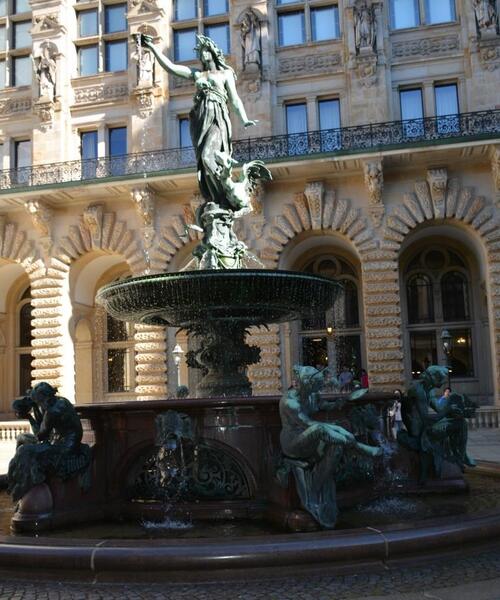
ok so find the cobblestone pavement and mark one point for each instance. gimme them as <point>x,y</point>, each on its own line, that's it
<point>470,576</point>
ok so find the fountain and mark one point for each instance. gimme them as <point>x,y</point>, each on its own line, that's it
<point>226,454</point>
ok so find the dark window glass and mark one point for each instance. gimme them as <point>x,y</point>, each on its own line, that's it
<point>115,18</point>
<point>21,34</point>
<point>21,6</point>
<point>116,330</point>
<point>447,109</point>
<point>215,7</point>
<point>315,352</point>
<point>455,297</point>
<point>25,332</point>
<point>442,11</point>
<point>280,2</point>
<point>423,351</point>
<point>184,43</point>
<point>329,120</point>
<point>117,369</point>
<point>116,56</point>
<point>405,13</point>
<point>24,373</point>
<point>420,299</point>
<point>117,138</point>
<point>87,23</point>
<point>348,303</point>
<point>220,35</point>
<point>461,363</point>
<point>412,111</point>
<point>296,126</point>
<point>291,28</point>
<point>22,154</point>
<point>325,23</point>
<point>186,9</point>
<point>88,60</point>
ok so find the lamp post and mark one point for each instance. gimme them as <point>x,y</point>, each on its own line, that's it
<point>446,341</point>
<point>177,354</point>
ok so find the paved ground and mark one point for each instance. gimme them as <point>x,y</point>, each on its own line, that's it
<point>484,444</point>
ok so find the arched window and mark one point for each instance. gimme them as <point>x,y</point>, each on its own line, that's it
<point>420,299</point>
<point>118,352</point>
<point>455,297</point>
<point>24,339</point>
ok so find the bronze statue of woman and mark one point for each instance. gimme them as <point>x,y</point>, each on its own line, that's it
<point>209,118</point>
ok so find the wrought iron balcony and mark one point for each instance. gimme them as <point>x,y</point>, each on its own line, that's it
<point>327,142</point>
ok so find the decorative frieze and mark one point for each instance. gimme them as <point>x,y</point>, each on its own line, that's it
<point>41,217</point>
<point>425,47</point>
<point>489,54</point>
<point>311,63</point>
<point>100,93</point>
<point>438,181</point>
<point>14,106</point>
<point>47,24</point>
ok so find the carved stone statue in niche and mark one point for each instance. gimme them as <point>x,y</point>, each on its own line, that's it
<point>365,25</point>
<point>250,35</point>
<point>145,67</point>
<point>45,70</point>
<point>486,14</point>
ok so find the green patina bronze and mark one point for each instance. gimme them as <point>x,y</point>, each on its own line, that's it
<point>439,436</point>
<point>225,199</point>
<point>54,448</point>
<point>314,451</point>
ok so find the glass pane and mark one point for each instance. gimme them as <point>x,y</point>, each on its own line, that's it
<point>348,358</point>
<point>116,330</point>
<point>215,7</point>
<point>22,154</point>
<point>3,8</point>
<point>291,28</point>
<point>279,2</point>
<point>404,13</point>
<point>346,311</point>
<point>296,125</point>
<point>447,104</point>
<point>117,138</point>
<point>21,6</point>
<point>117,370</point>
<point>186,9</point>
<point>25,335</point>
<point>87,22</point>
<point>22,37</point>
<point>116,56</point>
<point>2,39</point>
<point>455,297</point>
<point>325,23</point>
<point>220,35</point>
<point>184,43</point>
<point>184,134</point>
<point>2,75</point>
<point>440,12</point>
<point>24,373</point>
<point>412,108</point>
<point>423,351</point>
<point>115,18</point>
<point>22,71</point>
<point>315,352</point>
<point>420,300</point>
<point>88,60</point>
<point>88,144</point>
<point>461,362</point>
<point>329,119</point>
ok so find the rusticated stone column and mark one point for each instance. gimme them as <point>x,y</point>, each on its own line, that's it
<point>150,362</point>
<point>265,376</point>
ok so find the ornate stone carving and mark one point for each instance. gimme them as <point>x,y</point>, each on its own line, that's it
<point>144,98</point>
<point>374,180</point>
<point>366,68</point>
<point>423,47</point>
<point>312,63</point>
<point>45,69</point>
<point>100,93</point>
<point>93,219</point>
<point>250,39</point>
<point>46,23</point>
<point>314,193</point>
<point>144,202</point>
<point>438,182</point>
<point>41,216</point>
<point>44,109</point>
<point>144,59</point>
<point>365,26</point>
<point>14,105</point>
<point>486,16</point>
<point>489,54</point>
<point>141,7</point>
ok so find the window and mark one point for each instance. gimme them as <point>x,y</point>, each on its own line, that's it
<point>3,8</point>
<point>3,39</point>
<point>15,44</point>
<point>117,150</point>
<point>322,23</point>
<point>296,127</point>
<point>447,110</point>
<point>21,71</point>
<point>405,13</point>
<point>216,29</point>
<point>412,112</point>
<point>21,34</point>
<point>102,38</point>
<point>2,74</point>
<point>329,124</point>
<point>24,340</point>
<point>420,299</point>
<point>423,351</point>
<point>462,364</point>
<point>455,297</point>
<point>119,356</point>
<point>21,6</point>
<point>186,9</point>
<point>88,152</point>
<point>184,134</point>
<point>439,12</point>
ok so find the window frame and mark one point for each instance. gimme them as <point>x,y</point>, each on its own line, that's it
<point>9,53</point>
<point>306,7</point>
<point>129,361</point>
<point>423,16</point>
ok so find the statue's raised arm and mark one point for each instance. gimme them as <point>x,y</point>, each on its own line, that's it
<point>164,61</point>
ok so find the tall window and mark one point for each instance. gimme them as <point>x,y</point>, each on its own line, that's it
<point>119,360</point>
<point>117,150</point>
<point>412,13</point>
<point>329,124</point>
<point>322,22</point>
<point>185,142</point>
<point>102,38</point>
<point>447,110</point>
<point>296,128</point>
<point>88,152</point>
<point>438,298</point>
<point>440,12</point>
<point>404,13</point>
<point>334,338</point>
<point>412,112</point>
<point>192,17</point>
<point>15,43</point>
<point>24,339</point>
<point>22,160</point>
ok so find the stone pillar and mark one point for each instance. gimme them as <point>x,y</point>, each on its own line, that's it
<point>265,376</point>
<point>150,362</point>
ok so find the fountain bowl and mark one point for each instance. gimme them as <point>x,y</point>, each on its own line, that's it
<point>248,296</point>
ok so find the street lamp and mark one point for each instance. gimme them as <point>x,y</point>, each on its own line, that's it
<point>446,341</point>
<point>177,354</point>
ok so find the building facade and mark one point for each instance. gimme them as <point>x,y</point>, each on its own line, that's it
<point>380,122</point>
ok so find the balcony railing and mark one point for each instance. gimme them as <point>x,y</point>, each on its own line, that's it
<point>334,142</point>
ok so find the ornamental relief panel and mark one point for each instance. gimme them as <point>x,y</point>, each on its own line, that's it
<point>425,47</point>
<point>309,64</point>
<point>14,105</point>
<point>100,93</point>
